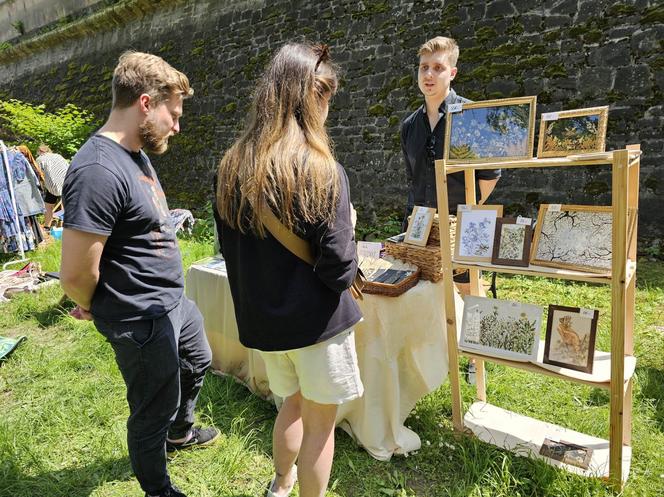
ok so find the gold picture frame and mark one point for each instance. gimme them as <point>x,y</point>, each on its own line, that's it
<point>475,233</point>
<point>576,237</point>
<point>478,132</point>
<point>570,132</point>
<point>419,225</point>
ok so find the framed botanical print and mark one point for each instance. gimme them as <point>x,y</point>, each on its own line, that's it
<point>419,225</point>
<point>572,132</point>
<point>511,244</point>
<point>501,328</point>
<point>570,337</point>
<point>490,131</point>
<point>475,230</point>
<point>577,237</point>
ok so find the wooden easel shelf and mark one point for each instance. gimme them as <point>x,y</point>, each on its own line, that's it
<point>600,377</point>
<point>524,436</point>
<point>547,272</point>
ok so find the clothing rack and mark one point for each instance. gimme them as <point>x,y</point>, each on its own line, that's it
<point>10,186</point>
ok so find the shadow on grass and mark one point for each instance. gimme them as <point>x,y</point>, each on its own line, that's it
<point>652,388</point>
<point>650,274</point>
<point>69,482</point>
<point>50,316</point>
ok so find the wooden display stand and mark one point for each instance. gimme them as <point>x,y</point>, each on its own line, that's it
<point>612,371</point>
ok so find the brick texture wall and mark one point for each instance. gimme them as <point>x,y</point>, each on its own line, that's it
<point>570,53</point>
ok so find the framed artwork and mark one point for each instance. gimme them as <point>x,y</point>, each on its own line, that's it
<point>490,131</point>
<point>567,453</point>
<point>577,237</point>
<point>511,244</point>
<point>476,227</point>
<point>570,337</point>
<point>572,132</point>
<point>419,225</point>
<point>501,328</point>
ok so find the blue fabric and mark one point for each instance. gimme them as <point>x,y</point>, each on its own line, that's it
<point>8,228</point>
<point>26,186</point>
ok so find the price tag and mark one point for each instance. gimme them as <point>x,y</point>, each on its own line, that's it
<point>587,313</point>
<point>554,207</point>
<point>463,208</point>
<point>550,116</point>
<point>524,220</point>
<point>369,249</point>
<point>454,108</point>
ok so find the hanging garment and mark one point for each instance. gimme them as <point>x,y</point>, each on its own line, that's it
<point>9,231</point>
<point>26,185</point>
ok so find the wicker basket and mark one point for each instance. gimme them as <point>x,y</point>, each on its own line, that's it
<point>427,258</point>
<point>388,290</point>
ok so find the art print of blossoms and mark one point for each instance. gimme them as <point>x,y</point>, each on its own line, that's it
<point>476,229</point>
<point>491,132</point>
<point>501,328</point>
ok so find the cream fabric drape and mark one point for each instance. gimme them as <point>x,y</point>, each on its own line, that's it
<point>401,348</point>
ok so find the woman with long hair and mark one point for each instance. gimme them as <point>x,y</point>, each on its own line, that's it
<point>298,315</point>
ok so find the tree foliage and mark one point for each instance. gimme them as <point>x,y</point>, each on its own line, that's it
<point>64,130</point>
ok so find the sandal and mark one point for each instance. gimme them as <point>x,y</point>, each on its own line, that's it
<point>270,493</point>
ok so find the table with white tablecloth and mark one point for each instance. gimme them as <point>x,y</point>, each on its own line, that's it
<point>401,347</point>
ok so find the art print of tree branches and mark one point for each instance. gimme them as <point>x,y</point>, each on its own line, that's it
<point>580,238</point>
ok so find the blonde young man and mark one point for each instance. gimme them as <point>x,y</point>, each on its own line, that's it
<point>423,134</point>
<point>121,264</point>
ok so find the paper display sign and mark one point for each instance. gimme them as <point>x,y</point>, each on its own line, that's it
<point>369,249</point>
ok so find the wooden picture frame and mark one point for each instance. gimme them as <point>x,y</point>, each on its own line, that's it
<point>511,243</point>
<point>570,132</point>
<point>475,231</point>
<point>577,237</point>
<point>501,328</point>
<point>419,225</point>
<point>570,337</point>
<point>490,131</point>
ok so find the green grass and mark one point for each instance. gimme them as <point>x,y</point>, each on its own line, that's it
<point>63,414</point>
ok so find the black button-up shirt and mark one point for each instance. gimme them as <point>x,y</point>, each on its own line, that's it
<point>421,147</point>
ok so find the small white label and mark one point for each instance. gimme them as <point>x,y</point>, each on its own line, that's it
<point>587,313</point>
<point>369,249</point>
<point>463,208</point>
<point>550,116</point>
<point>454,108</point>
<point>524,220</point>
<point>554,207</point>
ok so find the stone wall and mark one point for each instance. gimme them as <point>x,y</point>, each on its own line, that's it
<point>570,53</point>
<point>27,16</point>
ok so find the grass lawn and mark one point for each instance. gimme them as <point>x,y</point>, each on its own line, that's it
<point>63,414</point>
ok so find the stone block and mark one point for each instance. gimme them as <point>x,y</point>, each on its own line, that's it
<point>612,54</point>
<point>633,80</point>
<point>499,8</point>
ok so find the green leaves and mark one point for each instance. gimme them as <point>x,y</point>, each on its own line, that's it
<point>64,130</point>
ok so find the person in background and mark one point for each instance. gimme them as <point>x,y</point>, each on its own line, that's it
<point>422,142</point>
<point>299,316</point>
<point>122,266</point>
<point>55,168</point>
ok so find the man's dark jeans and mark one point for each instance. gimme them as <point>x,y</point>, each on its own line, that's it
<point>163,363</point>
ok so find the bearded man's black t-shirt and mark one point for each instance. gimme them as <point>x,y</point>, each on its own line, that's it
<point>112,191</point>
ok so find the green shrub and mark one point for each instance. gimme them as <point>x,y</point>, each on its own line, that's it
<point>64,130</point>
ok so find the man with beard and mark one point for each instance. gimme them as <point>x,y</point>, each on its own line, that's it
<point>121,265</point>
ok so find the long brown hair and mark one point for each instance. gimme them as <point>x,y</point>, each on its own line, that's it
<point>28,155</point>
<point>283,159</point>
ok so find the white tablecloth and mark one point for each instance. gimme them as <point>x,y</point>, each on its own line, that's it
<point>401,348</point>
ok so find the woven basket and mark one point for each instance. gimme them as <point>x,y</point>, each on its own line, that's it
<point>388,290</point>
<point>427,258</point>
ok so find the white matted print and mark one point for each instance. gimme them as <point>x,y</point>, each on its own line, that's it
<point>419,225</point>
<point>501,328</point>
<point>475,231</point>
